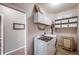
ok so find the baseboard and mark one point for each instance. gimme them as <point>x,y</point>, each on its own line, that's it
<point>14,50</point>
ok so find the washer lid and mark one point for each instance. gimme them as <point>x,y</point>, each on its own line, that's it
<point>45,38</point>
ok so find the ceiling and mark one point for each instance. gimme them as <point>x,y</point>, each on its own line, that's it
<point>47,7</point>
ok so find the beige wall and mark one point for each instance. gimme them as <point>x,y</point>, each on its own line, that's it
<point>71,32</point>
<point>33,31</point>
<point>68,12</point>
<point>13,39</point>
<point>78,30</point>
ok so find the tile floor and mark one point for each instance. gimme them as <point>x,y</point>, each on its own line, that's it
<point>61,51</point>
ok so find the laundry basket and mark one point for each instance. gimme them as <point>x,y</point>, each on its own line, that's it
<point>67,43</point>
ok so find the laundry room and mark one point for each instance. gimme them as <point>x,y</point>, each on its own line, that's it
<point>39,28</point>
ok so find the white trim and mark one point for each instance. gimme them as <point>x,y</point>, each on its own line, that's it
<point>25,34</point>
<point>13,50</point>
<point>2,34</point>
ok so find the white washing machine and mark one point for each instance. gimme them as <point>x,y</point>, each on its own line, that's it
<point>44,45</point>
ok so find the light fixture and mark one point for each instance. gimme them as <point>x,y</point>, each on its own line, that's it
<point>55,4</point>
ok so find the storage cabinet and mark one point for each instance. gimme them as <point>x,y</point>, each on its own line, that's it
<point>41,18</point>
<point>67,22</point>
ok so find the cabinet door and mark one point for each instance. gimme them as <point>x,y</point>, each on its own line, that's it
<point>41,18</point>
<point>44,19</point>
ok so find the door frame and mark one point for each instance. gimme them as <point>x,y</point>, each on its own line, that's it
<point>2,34</point>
